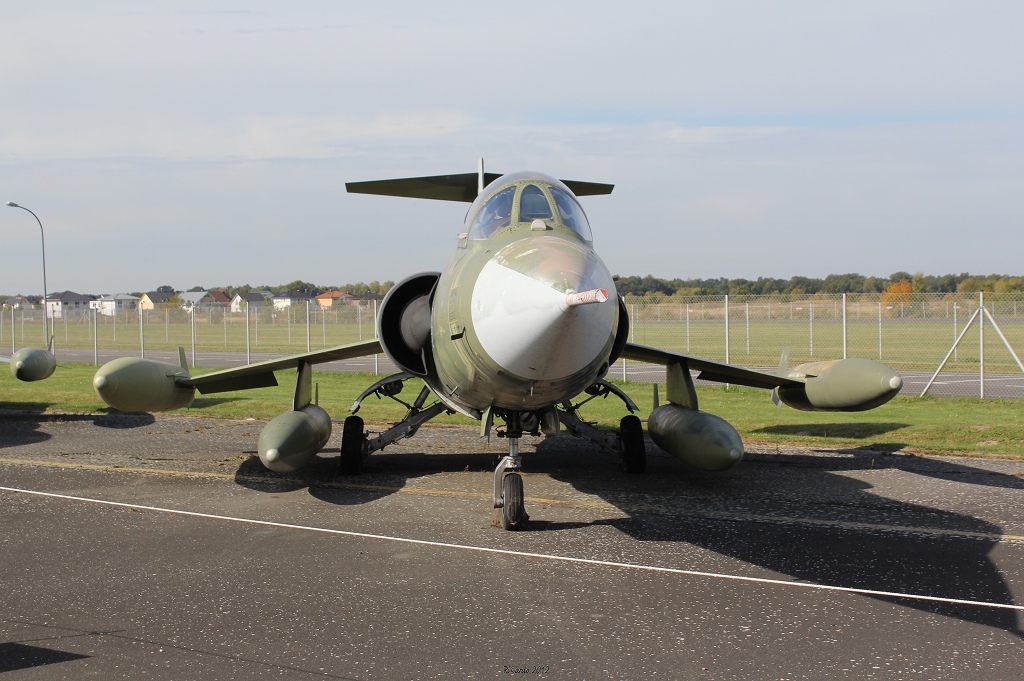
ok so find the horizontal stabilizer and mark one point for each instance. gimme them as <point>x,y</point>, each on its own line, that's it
<point>459,187</point>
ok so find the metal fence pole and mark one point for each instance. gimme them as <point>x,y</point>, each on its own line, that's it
<point>248,350</point>
<point>307,325</point>
<point>879,330</point>
<point>844,326</point>
<point>95,338</point>
<point>810,316</point>
<point>981,345</point>
<point>747,313</point>
<point>687,327</point>
<point>193,335</point>
<point>955,306</point>
<point>727,328</point>
<point>142,335</point>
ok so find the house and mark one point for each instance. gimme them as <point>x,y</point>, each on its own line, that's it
<point>18,303</point>
<point>67,304</point>
<point>150,300</point>
<point>254,298</point>
<point>289,298</point>
<point>112,305</point>
<point>220,298</point>
<point>331,298</point>
<point>192,299</point>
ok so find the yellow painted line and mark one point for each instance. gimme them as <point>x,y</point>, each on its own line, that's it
<point>649,508</point>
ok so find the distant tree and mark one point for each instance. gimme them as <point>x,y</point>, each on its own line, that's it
<point>165,289</point>
<point>196,289</point>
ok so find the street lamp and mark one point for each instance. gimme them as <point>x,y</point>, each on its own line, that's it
<point>42,238</point>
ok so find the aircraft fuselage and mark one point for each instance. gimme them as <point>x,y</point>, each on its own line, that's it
<point>525,314</point>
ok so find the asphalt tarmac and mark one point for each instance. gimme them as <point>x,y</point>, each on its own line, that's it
<point>158,547</point>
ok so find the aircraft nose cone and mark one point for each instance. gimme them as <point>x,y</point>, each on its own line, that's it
<point>895,382</point>
<point>528,315</point>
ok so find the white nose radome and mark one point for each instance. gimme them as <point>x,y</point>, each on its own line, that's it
<point>544,323</point>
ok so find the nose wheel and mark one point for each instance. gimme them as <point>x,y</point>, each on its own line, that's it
<point>508,489</point>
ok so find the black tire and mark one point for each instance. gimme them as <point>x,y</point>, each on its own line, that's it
<point>634,452</point>
<point>352,439</point>
<point>513,512</point>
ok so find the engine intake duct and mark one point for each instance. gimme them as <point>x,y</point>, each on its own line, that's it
<point>403,325</point>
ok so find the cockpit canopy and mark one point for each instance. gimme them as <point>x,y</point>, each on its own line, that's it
<point>518,200</point>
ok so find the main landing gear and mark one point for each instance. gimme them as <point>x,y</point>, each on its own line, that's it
<point>356,446</point>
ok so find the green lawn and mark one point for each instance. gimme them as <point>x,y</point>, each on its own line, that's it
<point>939,425</point>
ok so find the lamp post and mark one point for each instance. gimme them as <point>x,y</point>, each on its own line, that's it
<point>42,239</point>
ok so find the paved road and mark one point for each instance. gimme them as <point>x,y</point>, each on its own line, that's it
<point>168,552</point>
<point>948,384</point>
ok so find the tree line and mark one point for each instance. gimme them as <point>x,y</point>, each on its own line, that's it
<point>833,283</point>
<point>654,286</point>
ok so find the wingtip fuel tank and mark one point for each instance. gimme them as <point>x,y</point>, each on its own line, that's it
<point>841,385</point>
<point>33,364</point>
<point>135,384</point>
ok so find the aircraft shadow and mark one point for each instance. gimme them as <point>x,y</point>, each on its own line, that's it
<point>22,427</point>
<point>839,534</point>
<point>795,515</point>
<point>15,656</point>
<point>856,431</point>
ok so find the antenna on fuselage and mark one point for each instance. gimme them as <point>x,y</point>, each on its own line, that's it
<point>480,176</point>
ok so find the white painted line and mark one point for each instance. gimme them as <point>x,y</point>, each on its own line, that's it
<point>523,554</point>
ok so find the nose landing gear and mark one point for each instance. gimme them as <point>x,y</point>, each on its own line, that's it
<point>508,488</point>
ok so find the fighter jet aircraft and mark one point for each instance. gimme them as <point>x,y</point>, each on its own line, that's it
<point>523,320</point>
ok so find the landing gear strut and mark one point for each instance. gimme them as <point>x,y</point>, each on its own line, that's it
<point>356,446</point>
<point>508,488</point>
<point>508,483</point>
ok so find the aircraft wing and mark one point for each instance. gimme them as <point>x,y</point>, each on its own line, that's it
<point>261,374</point>
<point>709,370</point>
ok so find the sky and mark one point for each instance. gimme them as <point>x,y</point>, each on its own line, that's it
<point>208,143</point>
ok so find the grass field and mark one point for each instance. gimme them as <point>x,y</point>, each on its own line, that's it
<point>909,425</point>
<point>757,333</point>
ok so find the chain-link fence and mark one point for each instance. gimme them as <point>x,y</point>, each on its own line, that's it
<point>910,332</point>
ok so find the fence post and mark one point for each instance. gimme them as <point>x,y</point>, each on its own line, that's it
<point>307,325</point>
<point>955,306</point>
<point>844,326</point>
<point>248,348</point>
<point>879,329</point>
<point>142,334</point>
<point>747,313</point>
<point>95,338</point>
<point>981,345</point>
<point>810,317</point>
<point>726,328</point>
<point>193,335</point>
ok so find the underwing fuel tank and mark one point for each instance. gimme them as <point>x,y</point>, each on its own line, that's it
<point>135,384</point>
<point>841,385</point>
<point>291,440</point>
<point>33,364</point>
<point>697,438</point>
